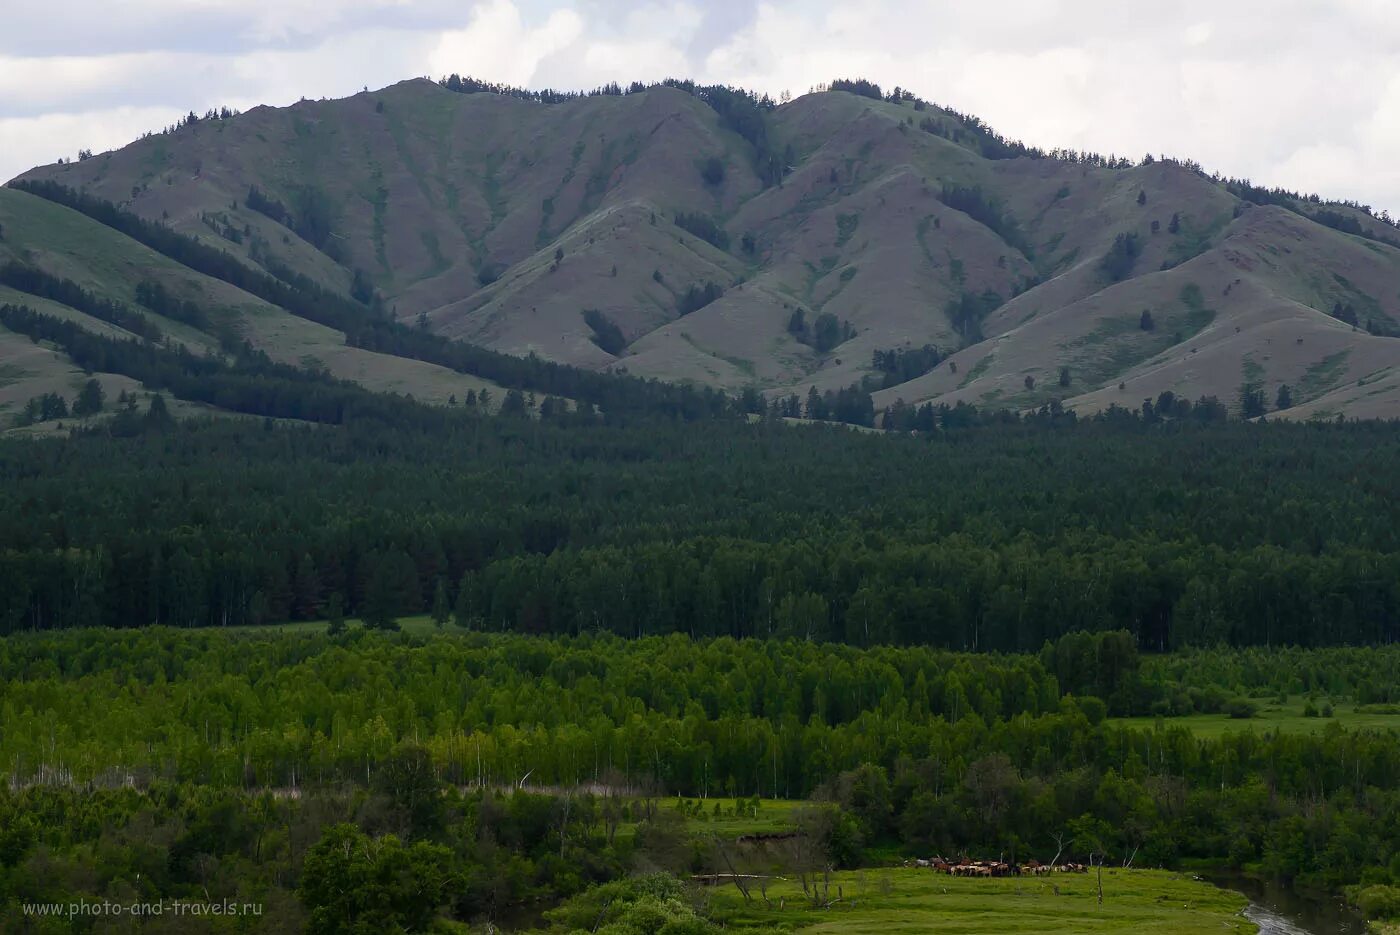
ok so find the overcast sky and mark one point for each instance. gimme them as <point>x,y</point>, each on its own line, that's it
<point>1299,93</point>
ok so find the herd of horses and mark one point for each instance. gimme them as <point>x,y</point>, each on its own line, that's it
<point>995,868</point>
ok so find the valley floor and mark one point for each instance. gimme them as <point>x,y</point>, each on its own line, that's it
<point>905,900</point>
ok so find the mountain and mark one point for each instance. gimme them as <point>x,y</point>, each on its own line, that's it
<point>701,235</point>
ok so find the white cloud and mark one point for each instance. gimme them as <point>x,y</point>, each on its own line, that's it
<point>31,141</point>
<point>500,46</point>
<point>1289,92</point>
<point>1198,34</point>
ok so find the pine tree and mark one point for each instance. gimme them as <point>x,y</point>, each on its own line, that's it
<point>306,589</point>
<point>335,614</point>
<point>514,404</point>
<point>158,415</point>
<point>441,611</point>
<point>462,609</point>
<point>381,593</point>
<point>90,399</point>
<point>1145,322</point>
<point>797,322</point>
<point>1284,400</point>
<point>1251,401</point>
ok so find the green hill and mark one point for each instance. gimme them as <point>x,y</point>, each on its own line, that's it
<point>698,235</point>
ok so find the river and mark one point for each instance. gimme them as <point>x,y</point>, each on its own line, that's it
<point>1278,910</point>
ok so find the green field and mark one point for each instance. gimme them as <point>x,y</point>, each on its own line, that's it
<point>419,625</point>
<point>773,816</point>
<point>1272,715</point>
<point>901,900</point>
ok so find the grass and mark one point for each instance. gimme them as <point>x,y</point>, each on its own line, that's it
<point>1272,715</point>
<point>907,900</point>
<point>743,366</point>
<point>421,625</point>
<point>1118,344</point>
<point>846,225</point>
<point>981,367</point>
<point>774,816</point>
<point>1195,239</point>
<point>1323,375</point>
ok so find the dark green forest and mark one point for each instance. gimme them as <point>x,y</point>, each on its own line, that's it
<point>993,537</point>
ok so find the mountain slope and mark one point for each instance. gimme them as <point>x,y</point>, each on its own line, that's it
<point>645,233</point>
<point>69,245</point>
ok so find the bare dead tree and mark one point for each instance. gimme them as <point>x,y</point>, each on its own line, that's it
<point>733,874</point>
<point>564,824</point>
<point>601,913</point>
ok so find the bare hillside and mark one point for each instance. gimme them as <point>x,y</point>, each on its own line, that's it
<point>664,234</point>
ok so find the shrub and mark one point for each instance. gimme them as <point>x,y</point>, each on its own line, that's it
<point>1117,264</point>
<point>1093,708</point>
<point>705,228</point>
<point>606,334</point>
<point>1376,902</point>
<point>712,171</point>
<point>1240,709</point>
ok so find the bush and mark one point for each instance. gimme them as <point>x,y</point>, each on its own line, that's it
<point>1092,708</point>
<point>712,171</point>
<point>606,334</point>
<point>697,297</point>
<point>1240,709</point>
<point>1117,264</point>
<point>1376,902</point>
<point>705,228</point>
<point>1309,710</point>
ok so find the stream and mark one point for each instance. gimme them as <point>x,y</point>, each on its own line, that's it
<point>1278,910</point>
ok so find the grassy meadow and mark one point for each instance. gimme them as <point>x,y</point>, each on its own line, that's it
<point>1272,714</point>
<point>773,816</point>
<point>907,900</point>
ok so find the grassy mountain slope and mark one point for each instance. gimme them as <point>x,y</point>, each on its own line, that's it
<point>111,265</point>
<point>582,231</point>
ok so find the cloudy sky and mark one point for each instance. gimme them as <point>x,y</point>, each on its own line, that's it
<point>1300,93</point>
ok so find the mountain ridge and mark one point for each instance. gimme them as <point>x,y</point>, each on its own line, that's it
<point>693,225</point>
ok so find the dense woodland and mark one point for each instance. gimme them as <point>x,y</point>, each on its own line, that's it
<point>990,537</point>
<point>159,763</point>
